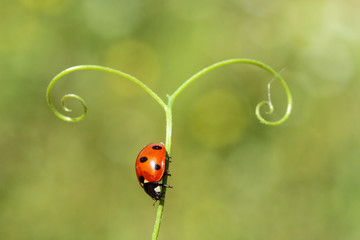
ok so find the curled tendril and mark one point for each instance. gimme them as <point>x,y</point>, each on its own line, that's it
<point>269,102</point>
<point>89,67</point>
<point>66,109</point>
<point>259,105</point>
<point>271,106</point>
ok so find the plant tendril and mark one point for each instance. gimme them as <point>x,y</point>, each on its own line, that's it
<point>66,109</point>
<point>90,67</point>
<point>259,105</point>
<point>271,106</point>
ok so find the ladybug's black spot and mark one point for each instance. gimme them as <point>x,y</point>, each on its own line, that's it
<point>157,167</point>
<point>156,147</point>
<point>141,179</point>
<point>143,159</point>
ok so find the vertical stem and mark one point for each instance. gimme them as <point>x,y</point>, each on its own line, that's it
<point>160,209</point>
<point>168,128</point>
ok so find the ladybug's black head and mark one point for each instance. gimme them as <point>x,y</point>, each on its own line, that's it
<point>153,190</point>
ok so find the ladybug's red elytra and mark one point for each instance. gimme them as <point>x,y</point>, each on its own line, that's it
<point>150,169</point>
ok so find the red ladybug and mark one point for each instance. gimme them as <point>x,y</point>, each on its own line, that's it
<point>150,169</point>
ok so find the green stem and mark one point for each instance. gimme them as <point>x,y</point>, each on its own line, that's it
<point>160,209</point>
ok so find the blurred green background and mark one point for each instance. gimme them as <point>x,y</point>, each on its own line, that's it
<point>233,177</point>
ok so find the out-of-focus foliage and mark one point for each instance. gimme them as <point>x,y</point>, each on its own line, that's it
<point>233,178</point>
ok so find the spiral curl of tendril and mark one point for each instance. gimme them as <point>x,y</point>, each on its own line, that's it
<point>259,105</point>
<point>82,102</point>
<point>66,109</point>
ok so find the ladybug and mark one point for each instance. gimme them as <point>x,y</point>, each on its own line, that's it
<point>150,169</point>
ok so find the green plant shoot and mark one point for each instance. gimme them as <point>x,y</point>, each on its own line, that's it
<point>167,107</point>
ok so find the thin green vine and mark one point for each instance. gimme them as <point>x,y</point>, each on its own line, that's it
<point>168,107</point>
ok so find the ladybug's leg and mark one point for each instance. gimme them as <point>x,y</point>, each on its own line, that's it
<point>151,189</point>
<point>167,173</point>
<point>164,185</point>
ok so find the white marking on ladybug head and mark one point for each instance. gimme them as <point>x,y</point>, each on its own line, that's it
<point>157,189</point>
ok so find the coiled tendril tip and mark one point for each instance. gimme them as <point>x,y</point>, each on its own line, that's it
<point>258,114</point>
<point>66,109</point>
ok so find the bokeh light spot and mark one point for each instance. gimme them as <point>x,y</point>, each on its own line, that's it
<point>112,18</point>
<point>18,30</point>
<point>209,219</point>
<point>217,118</point>
<point>137,59</point>
<point>48,6</point>
<point>329,67</point>
<point>194,10</point>
<point>252,7</point>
